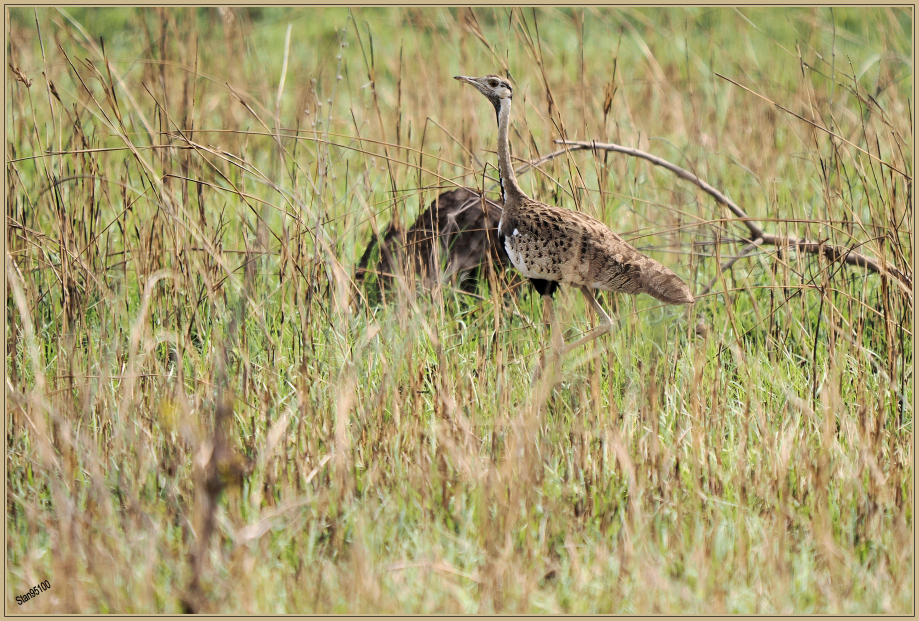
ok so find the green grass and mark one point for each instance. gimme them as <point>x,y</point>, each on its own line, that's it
<point>205,412</point>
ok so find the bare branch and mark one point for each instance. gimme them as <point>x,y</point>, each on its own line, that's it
<point>831,252</point>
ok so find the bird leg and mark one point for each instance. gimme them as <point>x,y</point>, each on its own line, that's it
<point>606,324</point>
<point>558,342</point>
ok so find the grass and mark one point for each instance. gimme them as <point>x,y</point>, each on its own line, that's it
<point>205,413</point>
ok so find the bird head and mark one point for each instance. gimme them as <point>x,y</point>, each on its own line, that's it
<point>494,87</point>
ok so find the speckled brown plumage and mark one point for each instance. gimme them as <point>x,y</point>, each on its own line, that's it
<point>552,246</point>
<point>569,247</point>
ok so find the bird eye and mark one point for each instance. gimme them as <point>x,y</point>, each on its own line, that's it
<point>493,84</point>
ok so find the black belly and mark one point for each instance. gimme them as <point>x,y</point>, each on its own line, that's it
<point>544,287</point>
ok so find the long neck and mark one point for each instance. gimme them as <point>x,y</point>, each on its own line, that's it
<point>508,178</point>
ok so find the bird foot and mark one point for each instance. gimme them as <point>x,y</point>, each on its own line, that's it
<point>588,337</point>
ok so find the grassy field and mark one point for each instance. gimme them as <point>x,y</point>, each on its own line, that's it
<point>206,412</point>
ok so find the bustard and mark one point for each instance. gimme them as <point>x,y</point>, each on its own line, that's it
<point>552,246</point>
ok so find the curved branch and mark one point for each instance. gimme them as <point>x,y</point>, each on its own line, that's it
<point>831,252</point>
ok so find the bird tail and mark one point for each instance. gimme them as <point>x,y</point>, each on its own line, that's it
<point>662,284</point>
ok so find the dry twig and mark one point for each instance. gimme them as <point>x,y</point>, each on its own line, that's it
<point>831,252</point>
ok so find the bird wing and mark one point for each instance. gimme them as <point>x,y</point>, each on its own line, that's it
<point>575,248</point>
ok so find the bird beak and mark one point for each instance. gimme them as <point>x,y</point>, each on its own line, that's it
<point>463,78</point>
